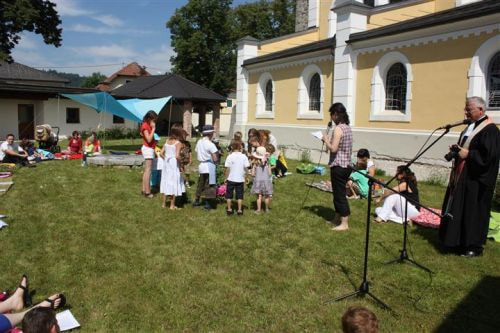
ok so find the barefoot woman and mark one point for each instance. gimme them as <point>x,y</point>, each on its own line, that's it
<point>340,147</point>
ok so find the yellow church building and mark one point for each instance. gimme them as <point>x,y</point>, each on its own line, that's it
<point>401,68</point>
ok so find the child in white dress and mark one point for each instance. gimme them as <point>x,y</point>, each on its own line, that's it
<point>172,182</point>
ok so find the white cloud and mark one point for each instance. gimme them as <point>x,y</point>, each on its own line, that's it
<point>26,42</point>
<point>70,8</point>
<point>109,20</point>
<point>106,51</point>
<point>90,29</point>
<point>102,30</point>
<point>157,61</point>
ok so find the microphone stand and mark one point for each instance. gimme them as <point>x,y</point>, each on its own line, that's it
<point>403,253</point>
<point>364,288</point>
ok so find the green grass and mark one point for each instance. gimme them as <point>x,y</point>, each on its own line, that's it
<point>126,264</point>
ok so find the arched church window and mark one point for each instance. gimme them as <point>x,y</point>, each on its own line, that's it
<point>269,96</point>
<point>395,88</point>
<point>315,93</point>
<point>493,82</point>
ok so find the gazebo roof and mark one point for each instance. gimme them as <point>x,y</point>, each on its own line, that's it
<point>157,86</point>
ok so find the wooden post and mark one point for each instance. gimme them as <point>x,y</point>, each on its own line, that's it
<point>187,120</point>
<point>216,119</point>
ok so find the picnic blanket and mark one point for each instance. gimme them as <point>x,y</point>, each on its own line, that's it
<point>494,231</point>
<point>427,219</point>
<point>322,186</point>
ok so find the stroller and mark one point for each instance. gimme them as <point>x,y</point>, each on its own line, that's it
<point>47,138</point>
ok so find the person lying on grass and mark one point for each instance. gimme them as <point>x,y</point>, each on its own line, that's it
<point>21,299</point>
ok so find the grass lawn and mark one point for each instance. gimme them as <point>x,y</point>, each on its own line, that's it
<point>126,264</point>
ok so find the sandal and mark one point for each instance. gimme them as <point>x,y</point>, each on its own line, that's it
<point>378,220</point>
<point>148,195</point>
<point>26,292</point>
<point>52,302</point>
<point>229,212</point>
<point>240,212</point>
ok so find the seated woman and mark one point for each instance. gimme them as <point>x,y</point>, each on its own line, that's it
<point>74,144</point>
<point>394,205</point>
<point>363,156</point>
<point>30,149</point>
<point>357,185</point>
<point>18,301</point>
<point>92,145</point>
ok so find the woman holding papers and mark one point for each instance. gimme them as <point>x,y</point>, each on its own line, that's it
<point>340,146</point>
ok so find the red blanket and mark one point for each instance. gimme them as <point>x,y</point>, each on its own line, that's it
<point>427,219</point>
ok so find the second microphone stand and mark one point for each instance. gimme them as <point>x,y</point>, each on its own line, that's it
<point>403,253</point>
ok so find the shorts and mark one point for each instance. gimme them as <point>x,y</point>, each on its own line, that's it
<point>5,324</point>
<point>234,187</point>
<point>148,153</point>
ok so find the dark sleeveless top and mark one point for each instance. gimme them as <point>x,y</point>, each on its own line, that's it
<point>413,195</point>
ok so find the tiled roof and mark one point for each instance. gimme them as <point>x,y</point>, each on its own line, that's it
<point>16,71</point>
<point>157,86</point>
<point>132,69</point>
<point>306,48</point>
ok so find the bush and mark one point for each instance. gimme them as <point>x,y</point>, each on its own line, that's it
<point>114,133</point>
<point>436,178</point>
<point>305,156</point>
<point>379,172</point>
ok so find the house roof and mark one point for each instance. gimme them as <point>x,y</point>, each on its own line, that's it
<point>132,70</point>
<point>306,48</point>
<point>17,90</point>
<point>16,71</point>
<point>157,86</point>
<point>460,13</point>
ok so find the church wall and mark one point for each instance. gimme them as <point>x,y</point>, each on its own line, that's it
<point>324,11</point>
<point>288,41</point>
<point>286,82</point>
<point>439,87</point>
<point>400,14</point>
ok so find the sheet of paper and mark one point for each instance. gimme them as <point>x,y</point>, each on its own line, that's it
<point>318,135</point>
<point>66,321</point>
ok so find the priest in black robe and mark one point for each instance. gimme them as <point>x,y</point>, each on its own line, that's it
<point>467,202</point>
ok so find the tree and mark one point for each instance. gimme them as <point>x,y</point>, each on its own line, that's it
<point>204,33</point>
<point>201,37</point>
<point>264,19</point>
<point>93,80</point>
<point>38,16</point>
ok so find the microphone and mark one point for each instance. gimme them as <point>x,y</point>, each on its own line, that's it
<point>457,123</point>
<point>329,126</point>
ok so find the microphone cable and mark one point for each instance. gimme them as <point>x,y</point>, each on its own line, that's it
<point>301,207</point>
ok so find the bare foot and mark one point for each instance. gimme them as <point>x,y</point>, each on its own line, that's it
<point>17,297</point>
<point>46,304</point>
<point>340,228</point>
<point>174,208</point>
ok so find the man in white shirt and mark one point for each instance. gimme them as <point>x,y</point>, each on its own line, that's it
<point>236,165</point>
<point>206,153</point>
<point>10,152</point>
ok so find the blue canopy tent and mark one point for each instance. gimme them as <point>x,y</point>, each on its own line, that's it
<point>133,109</point>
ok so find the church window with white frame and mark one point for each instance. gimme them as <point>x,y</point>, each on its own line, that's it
<point>395,88</point>
<point>391,89</point>
<point>311,93</point>
<point>266,96</point>
<point>315,93</point>
<point>269,96</point>
<point>493,82</point>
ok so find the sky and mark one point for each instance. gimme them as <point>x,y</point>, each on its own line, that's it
<point>103,35</point>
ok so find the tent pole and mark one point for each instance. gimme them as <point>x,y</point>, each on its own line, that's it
<point>58,101</point>
<point>170,117</point>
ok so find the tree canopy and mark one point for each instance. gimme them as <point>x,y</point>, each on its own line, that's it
<point>204,33</point>
<point>93,80</point>
<point>38,16</point>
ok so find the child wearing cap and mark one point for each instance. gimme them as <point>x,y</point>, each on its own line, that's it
<point>262,183</point>
<point>236,168</point>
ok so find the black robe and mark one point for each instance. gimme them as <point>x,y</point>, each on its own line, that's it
<point>468,199</point>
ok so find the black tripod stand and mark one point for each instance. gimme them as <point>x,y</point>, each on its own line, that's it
<point>364,288</point>
<point>403,253</point>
